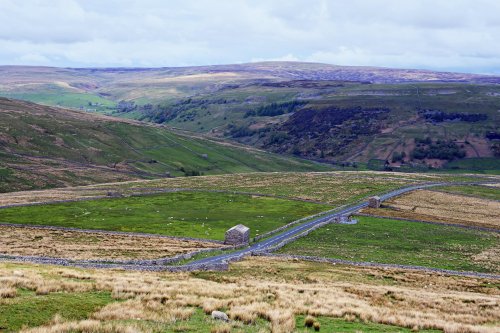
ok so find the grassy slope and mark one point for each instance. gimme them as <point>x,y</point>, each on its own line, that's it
<point>185,214</point>
<point>205,113</point>
<point>397,242</point>
<point>47,147</point>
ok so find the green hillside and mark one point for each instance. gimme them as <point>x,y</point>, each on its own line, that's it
<point>377,117</point>
<point>44,147</point>
<point>349,121</point>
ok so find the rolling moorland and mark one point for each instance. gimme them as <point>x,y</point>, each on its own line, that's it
<point>373,118</point>
<point>113,225</point>
<point>276,293</point>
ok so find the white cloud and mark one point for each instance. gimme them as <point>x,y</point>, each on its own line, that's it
<point>437,34</point>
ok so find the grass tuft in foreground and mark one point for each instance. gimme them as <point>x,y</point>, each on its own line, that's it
<point>258,294</point>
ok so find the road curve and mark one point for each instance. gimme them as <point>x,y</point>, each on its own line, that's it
<point>277,239</point>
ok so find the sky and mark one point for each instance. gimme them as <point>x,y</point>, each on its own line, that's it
<point>449,35</point>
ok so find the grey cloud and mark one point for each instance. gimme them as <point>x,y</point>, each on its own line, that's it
<point>436,34</point>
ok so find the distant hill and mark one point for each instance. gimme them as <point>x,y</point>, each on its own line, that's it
<point>76,87</point>
<point>377,116</point>
<point>43,147</point>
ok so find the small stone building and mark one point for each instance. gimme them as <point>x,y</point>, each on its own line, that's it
<point>237,235</point>
<point>374,202</point>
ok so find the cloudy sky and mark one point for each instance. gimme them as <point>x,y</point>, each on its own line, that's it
<point>458,35</point>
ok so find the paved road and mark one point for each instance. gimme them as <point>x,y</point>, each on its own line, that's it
<point>275,240</point>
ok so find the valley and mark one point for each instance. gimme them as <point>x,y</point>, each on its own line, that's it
<point>373,118</point>
<point>120,189</point>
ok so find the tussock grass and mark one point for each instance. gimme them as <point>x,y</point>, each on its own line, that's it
<point>83,245</point>
<point>487,191</point>
<point>221,328</point>
<point>309,321</point>
<point>8,292</point>
<point>330,187</point>
<point>443,207</point>
<point>410,300</point>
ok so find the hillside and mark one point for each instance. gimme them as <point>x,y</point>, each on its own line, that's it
<point>103,87</point>
<point>348,121</point>
<point>43,146</point>
<point>378,117</point>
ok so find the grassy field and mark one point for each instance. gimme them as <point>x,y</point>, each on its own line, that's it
<point>443,207</point>
<point>400,242</point>
<point>336,188</point>
<point>85,245</point>
<point>55,96</point>
<point>259,294</point>
<point>183,214</point>
<point>487,192</point>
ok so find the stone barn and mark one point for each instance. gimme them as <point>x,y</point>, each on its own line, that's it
<point>374,202</point>
<point>237,235</point>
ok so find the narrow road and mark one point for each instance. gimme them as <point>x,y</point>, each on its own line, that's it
<point>275,240</point>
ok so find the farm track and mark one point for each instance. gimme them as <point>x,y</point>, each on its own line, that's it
<point>265,247</point>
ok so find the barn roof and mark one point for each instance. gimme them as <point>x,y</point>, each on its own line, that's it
<point>239,228</point>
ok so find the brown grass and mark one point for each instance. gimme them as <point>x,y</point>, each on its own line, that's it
<point>94,245</point>
<point>411,299</point>
<point>442,207</point>
<point>84,326</point>
<point>329,187</point>
<point>8,292</point>
<point>221,328</point>
<point>309,321</point>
